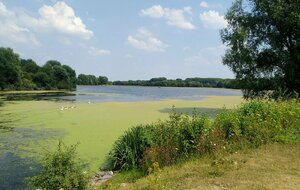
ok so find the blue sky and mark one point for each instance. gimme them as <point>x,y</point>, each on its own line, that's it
<point>133,39</point>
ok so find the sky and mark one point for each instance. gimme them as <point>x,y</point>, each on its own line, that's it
<point>123,40</point>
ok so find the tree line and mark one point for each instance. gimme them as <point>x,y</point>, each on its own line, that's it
<point>188,82</point>
<point>24,74</point>
<point>83,79</point>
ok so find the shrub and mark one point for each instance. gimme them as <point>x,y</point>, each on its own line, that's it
<point>163,142</point>
<point>166,154</point>
<point>61,170</point>
<point>229,125</point>
<point>267,121</point>
<point>254,123</point>
<point>128,150</point>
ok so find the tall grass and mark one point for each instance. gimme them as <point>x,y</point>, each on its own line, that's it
<point>251,125</point>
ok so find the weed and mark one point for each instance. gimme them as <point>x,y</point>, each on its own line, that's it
<point>154,177</point>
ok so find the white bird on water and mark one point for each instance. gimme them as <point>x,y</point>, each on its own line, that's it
<point>89,102</point>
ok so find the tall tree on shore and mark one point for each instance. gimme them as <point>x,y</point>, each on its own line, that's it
<point>263,37</point>
<point>21,74</point>
<point>10,75</point>
<point>102,80</point>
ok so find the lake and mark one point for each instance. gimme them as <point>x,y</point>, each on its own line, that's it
<point>37,125</point>
<point>139,93</point>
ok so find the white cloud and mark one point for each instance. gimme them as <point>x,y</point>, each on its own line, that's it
<point>212,19</point>
<point>204,4</point>
<point>155,11</point>
<point>174,17</point>
<point>19,27</point>
<point>145,40</point>
<point>4,12</point>
<point>98,52</point>
<point>61,18</point>
<point>11,31</point>
<point>188,10</point>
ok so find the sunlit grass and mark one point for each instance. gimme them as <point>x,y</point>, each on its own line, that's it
<point>270,167</point>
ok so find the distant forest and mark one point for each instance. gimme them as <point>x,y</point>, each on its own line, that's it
<point>189,82</point>
<point>83,79</point>
<point>24,74</point>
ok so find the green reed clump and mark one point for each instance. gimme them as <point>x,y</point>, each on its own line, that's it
<point>253,124</point>
<point>161,142</point>
<point>128,150</point>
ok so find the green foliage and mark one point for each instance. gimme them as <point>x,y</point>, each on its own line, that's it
<point>263,39</point>
<point>61,169</point>
<point>102,80</point>
<point>61,76</point>
<point>189,82</point>
<point>253,124</point>
<point>159,142</point>
<point>228,123</point>
<point>91,80</point>
<point>128,150</point>
<point>18,74</point>
<point>154,177</point>
<point>10,71</point>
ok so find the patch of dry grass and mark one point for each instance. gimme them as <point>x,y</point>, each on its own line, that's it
<point>270,167</point>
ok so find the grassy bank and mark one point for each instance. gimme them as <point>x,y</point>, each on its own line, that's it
<point>269,167</point>
<point>146,148</point>
<point>95,126</point>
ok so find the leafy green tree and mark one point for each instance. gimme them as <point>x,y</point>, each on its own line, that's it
<point>61,169</point>
<point>48,70</point>
<point>102,80</point>
<point>16,73</point>
<point>42,80</point>
<point>29,69</point>
<point>61,76</point>
<point>263,37</point>
<point>52,63</point>
<point>10,75</point>
<point>81,79</point>
<point>29,66</point>
<point>72,75</point>
<point>91,80</point>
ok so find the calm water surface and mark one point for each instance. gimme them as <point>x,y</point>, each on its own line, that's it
<point>136,93</point>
